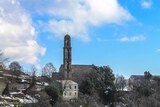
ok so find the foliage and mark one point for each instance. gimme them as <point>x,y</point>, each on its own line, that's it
<point>48,70</point>
<point>17,104</point>
<point>53,93</point>
<point>145,93</point>
<point>145,86</point>
<point>108,90</point>
<point>147,75</point>
<point>101,81</point>
<point>15,66</point>
<point>87,87</point>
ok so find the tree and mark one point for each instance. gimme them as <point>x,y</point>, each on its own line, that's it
<point>120,82</point>
<point>53,92</point>
<point>87,87</point>
<point>143,86</point>
<point>101,81</point>
<point>147,75</point>
<point>15,66</point>
<point>33,81</point>
<point>145,91</point>
<point>48,70</point>
<point>108,90</point>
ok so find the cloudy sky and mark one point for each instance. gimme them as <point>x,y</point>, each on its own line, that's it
<point>123,34</point>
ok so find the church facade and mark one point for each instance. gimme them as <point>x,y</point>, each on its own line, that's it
<point>69,71</point>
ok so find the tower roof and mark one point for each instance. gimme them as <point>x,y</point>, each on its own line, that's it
<point>67,36</point>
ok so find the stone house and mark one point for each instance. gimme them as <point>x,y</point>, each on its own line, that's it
<point>69,89</point>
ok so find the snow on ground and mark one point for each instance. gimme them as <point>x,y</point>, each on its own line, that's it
<point>42,83</point>
<point>26,99</point>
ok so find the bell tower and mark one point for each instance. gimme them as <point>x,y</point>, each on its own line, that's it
<point>67,57</point>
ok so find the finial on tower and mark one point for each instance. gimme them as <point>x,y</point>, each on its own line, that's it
<point>67,40</point>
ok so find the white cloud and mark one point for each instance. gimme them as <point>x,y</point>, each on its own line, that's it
<point>146,4</point>
<point>17,33</point>
<point>132,39</point>
<point>102,40</point>
<point>76,16</point>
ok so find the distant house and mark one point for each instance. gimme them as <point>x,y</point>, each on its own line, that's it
<point>135,80</point>
<point>69,89</point>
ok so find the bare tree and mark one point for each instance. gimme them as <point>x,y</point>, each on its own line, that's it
<point>120,82</point>
<point>2,60</point>
<point>33,79</point>
<point>48,70</point>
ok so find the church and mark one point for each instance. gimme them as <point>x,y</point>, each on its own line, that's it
<point>70,75</point>
<point>69,71</point>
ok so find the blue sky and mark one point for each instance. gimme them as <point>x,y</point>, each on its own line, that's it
<point>123,34</point>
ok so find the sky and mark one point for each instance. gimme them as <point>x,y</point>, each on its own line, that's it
<point>122,34</point>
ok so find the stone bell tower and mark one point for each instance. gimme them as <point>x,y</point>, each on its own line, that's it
<point>67,57</point>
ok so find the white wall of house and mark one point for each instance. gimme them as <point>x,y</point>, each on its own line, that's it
<point>70,89</point>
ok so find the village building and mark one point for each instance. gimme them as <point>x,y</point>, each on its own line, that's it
<point>136,80</point>
<point>69,89</point>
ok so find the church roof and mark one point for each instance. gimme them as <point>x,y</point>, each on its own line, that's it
<point>81,70</point>
<point>77,67</point>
